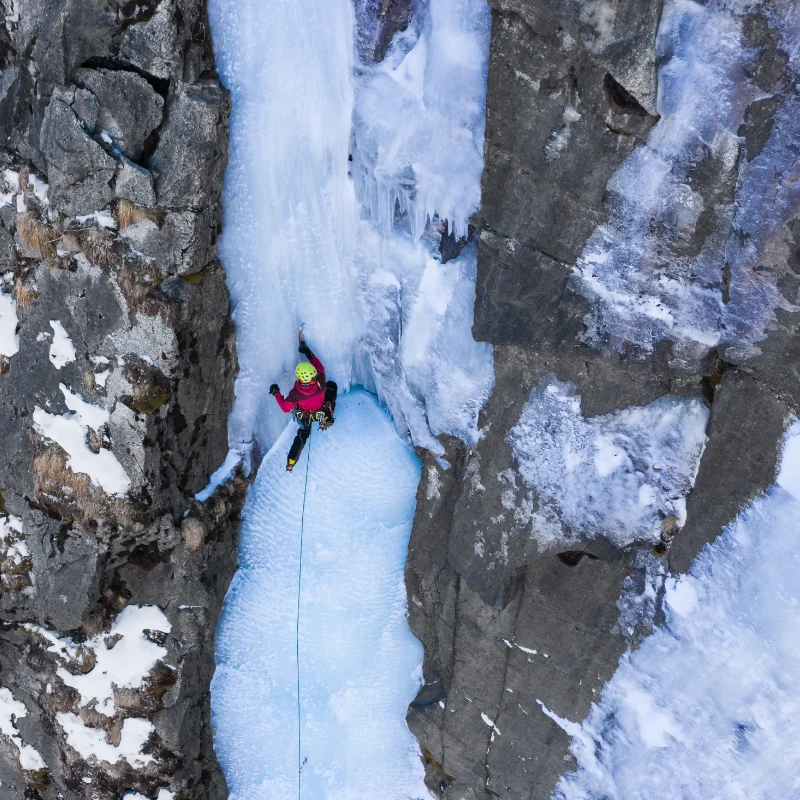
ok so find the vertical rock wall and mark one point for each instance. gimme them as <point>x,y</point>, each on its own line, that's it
<point>507,623</point>
<point>117,378</point>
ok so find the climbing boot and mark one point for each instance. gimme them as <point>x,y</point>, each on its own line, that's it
<point>325,416</point>
<point>290,464</point>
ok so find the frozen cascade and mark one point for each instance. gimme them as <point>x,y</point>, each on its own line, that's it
<point>359,662</point>
<point>384,310</point>
<point>307,241</point>
<point>289,206</point>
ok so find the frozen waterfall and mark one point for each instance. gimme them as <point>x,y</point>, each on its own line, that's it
<point>333,214</point>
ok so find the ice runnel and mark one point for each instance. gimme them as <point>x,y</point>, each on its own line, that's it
<point>359,662</point>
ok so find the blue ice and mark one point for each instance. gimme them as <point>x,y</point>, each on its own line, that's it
<point>359,662</point>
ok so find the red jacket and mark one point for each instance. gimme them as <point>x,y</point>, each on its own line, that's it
<point>306,398</point>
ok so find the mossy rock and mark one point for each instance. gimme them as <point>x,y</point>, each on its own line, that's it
<point>151,388</point>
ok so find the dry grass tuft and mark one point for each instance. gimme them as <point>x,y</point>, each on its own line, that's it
<point>97,247</point>
<point>58,485</point>
<point>24,181</point>
<point>25,294</point>
<point>38,236</point>
<point>127,213</point>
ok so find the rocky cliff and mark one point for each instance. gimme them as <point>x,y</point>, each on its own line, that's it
<point>520,600</point>
<point>117,361</point>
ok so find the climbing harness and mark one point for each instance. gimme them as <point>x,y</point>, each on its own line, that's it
<point>301,762</point>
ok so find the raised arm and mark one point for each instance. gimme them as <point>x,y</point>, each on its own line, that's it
<point>313,360</point>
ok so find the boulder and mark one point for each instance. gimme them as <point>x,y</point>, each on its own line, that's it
<point>79,169</point>
<point>129,108</point>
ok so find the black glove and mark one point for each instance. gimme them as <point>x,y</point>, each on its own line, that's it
<point>305,349</point>
<point>274,389</point>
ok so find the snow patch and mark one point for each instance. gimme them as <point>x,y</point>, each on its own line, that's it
<point>10,711</point>
<point>62,351</point>
<point>70,432</point>
<point>123,658</point>
<point>616,475</point>
<point>9,339</point>
<point>91,743</point>
<point>126,664</point>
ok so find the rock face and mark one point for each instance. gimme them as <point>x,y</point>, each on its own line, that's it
<point>508,623</point>
<point>117,361</point>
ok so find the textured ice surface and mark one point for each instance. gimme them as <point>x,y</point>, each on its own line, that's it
<point>359,662</point>
<point>419,119</point>
<point>709,705</point>
<point>639,269</point>
<point>616,475</point>
<point>379,308</point>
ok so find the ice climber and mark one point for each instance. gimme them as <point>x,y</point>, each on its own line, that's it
<point>311,399</point>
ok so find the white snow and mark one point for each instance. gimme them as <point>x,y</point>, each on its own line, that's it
<point>9,339</point>
<point>708,706</point>
<point>126,664</point>
<point>10,711</point>
<point>304,242</point>
<point>643,282</point>
<point>91,743</point>
<point>70,431</point>
<point>62,351</point>
<point>103,219</point>
<point>616,475</point>
<point>101,377</point>
<point>124,658</point>
<point>12,539</point>
<point>359,662</point>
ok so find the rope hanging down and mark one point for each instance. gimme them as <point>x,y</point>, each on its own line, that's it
<point>300,761</point>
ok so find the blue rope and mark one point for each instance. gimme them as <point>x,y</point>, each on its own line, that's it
<point>297,625</point>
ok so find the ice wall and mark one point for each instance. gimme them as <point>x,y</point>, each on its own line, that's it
<point>351,248</point>
<point>289,206</point>
<point>708,706</point>
<point>359,662</point>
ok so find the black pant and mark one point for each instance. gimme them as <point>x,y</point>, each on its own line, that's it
<point>304,421</point>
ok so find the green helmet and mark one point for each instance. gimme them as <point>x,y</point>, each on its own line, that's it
<point>305,372</point>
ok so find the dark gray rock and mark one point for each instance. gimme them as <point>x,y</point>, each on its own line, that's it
<point>740,461</point>
<point>537,190</point>
<point>189,158</point>
<point>152,44</point>
<point>129,108</point>
<point>79,170</point>
<point>134,183</point>
<point>154,347</point>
